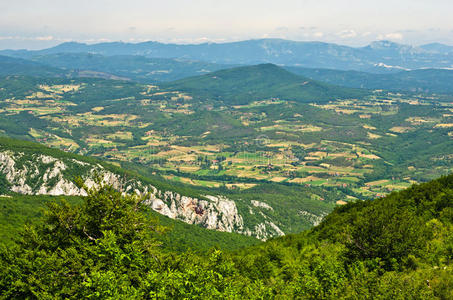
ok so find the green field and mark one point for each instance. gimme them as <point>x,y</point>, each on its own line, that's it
<point>342,143</point>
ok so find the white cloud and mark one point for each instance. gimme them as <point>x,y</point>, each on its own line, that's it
<point>96,40</point>
<point>390,36</point>
<point>45,38</point>
<point>347,34</point>
<point>318,34</point>
<point>29,38</point>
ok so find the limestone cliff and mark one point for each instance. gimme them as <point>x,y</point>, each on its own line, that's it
<point>38,174</point>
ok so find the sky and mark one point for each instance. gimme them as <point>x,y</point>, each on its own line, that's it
<point>36,24</point>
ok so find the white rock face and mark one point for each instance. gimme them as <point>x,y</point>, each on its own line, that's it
<point>64,187</point>
<point>312,218</point>
<point>45,175</point>
<point>266,230</point>
<point>13,174</point>
<point>261,204</point>
<point>47,159</point>
<point>217,212</point>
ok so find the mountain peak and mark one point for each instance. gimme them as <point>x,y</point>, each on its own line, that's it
<point>261,72</point>
<point>384,44</point>
<point>68,47</point>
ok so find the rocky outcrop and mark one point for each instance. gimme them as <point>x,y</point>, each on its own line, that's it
<point>257,203</point>
<point>312,218</point>
<point>266,230</point>
<point>38,174</point>
<point>213,212</point>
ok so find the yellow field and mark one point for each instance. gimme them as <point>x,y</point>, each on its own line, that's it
<point>242,186</point>
<point>317,154</point>
<point>420,120</point>
<point>377,182</point>
<point>105,120</point>
<point>447,125</point>
<point>369,156</point>
<point>60,89</point>
<point>40,95</point>
<point>305,179</point>
<point>400,129</point>
<point>278,179</point>
<point>369,127</point>
<point>121,135</point>
<point>373,136</point>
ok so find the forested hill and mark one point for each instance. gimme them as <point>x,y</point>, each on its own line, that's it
<point>243,85</point>
<point>18,66</point>
<point>133,67</point>
<point>435,81</point>
<point>397,247</point>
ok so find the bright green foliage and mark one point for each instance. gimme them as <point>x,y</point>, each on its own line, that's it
<point>398,247</point>
<point>100,248</point>
<point>18,210</point>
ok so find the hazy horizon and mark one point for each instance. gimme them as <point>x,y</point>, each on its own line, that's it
<point>33,24</point>
<point>214,42</point>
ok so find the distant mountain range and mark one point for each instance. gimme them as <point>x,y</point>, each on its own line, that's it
<point>437,81</point>
<point>128,67</point>
<point>133,67</point>
<point>381,56</point>
<point>438,48</point>
<point>388,65</point>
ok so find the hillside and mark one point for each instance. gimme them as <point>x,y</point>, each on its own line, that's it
<point>18,66</point>
<point>17,210</point>
<point>137,68</point>
<point>428,81</point>
<point>276,51</point>
<point>390,248</point>
<point>244,85</point>
<point>438,47</point>
<point>32,169</point>
<point>397,247</point>
<point>121,67</point>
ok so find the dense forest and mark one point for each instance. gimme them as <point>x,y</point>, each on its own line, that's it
<point>107,246</point>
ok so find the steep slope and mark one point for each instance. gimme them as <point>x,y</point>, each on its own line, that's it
<point>243,85</point>
<point>17,210</point>
<point>396,247</point>
<point>32,169</point>
<point>277,51</point>
<point>438,81</point>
